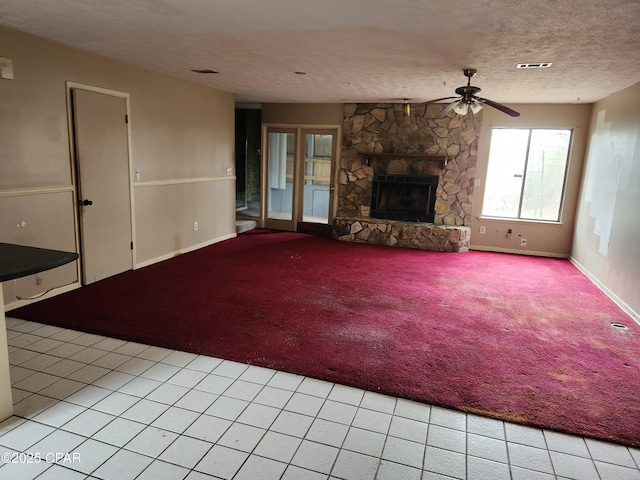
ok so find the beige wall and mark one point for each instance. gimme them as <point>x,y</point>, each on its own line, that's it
<point>303,113</point>
<point>553,239</point>
<point>181,141</point>
<point>607,239</point>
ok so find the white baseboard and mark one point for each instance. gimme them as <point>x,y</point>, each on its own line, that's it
<point>51,293</point>
<point>146,263</point>
<point>519,251</point>
<point>617,300</point>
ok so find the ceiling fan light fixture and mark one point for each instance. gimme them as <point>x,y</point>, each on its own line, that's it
<point>475,107</point>
<point>461,108</point>
<point>468,98</point>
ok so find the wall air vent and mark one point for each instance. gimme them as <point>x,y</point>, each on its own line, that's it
<point>534,65</point>
<point>206,70</point>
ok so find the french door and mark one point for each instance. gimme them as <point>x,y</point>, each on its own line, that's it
<point>298,178</point>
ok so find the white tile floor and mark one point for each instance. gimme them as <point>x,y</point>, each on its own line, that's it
<point>117,410</point>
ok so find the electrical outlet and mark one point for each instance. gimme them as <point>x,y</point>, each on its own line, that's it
<point>476,182</point>
<point>195,226</point>
<point>483,230</point>
<point>523,242</point>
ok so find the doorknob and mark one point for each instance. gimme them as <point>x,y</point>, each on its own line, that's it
<point>332,189</point>
<point>85,203</point>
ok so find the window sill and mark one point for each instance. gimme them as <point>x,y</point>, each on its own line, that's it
<point>520,220</point>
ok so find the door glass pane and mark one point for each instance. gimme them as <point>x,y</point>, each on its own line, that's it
<point>280,158</point>
<point>317,178</point>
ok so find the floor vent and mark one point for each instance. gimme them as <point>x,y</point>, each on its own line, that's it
<point>619,326</point>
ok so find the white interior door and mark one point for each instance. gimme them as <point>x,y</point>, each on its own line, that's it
<point>104,193</point>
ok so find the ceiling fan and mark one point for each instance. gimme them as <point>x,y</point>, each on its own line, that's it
<point>468,100</point>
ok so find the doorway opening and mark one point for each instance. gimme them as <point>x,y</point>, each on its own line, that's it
<point>247,143</point>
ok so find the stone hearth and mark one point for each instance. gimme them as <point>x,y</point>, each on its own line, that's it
<point>394,233</point>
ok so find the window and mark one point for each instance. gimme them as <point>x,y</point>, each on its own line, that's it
<point>526,173</point>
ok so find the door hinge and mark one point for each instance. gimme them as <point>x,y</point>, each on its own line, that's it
<point>131,245</point>
<point>126,119</point>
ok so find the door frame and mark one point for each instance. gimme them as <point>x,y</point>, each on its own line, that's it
<point>75,168</point>
<point>298,174</point>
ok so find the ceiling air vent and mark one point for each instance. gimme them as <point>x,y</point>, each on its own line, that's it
<point>534,65</point>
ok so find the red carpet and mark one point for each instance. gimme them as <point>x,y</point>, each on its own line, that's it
<point>523,339</point>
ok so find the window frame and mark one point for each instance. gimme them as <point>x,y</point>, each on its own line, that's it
<point>519,218</point>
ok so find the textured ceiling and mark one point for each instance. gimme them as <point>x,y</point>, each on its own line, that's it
<point>358,50</point>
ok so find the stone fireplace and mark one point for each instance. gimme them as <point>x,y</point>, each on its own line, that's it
<point>378,141</point>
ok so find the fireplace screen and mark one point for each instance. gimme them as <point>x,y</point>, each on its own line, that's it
<point>404,197</point>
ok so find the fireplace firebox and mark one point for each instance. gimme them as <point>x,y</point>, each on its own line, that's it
<point>410,198</point>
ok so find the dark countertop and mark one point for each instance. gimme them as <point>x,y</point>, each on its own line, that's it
<point>19,261</point>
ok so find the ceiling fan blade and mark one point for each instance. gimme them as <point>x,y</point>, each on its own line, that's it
<point>499,106</point>
<point>448,108</point>
<point>440,99</point>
